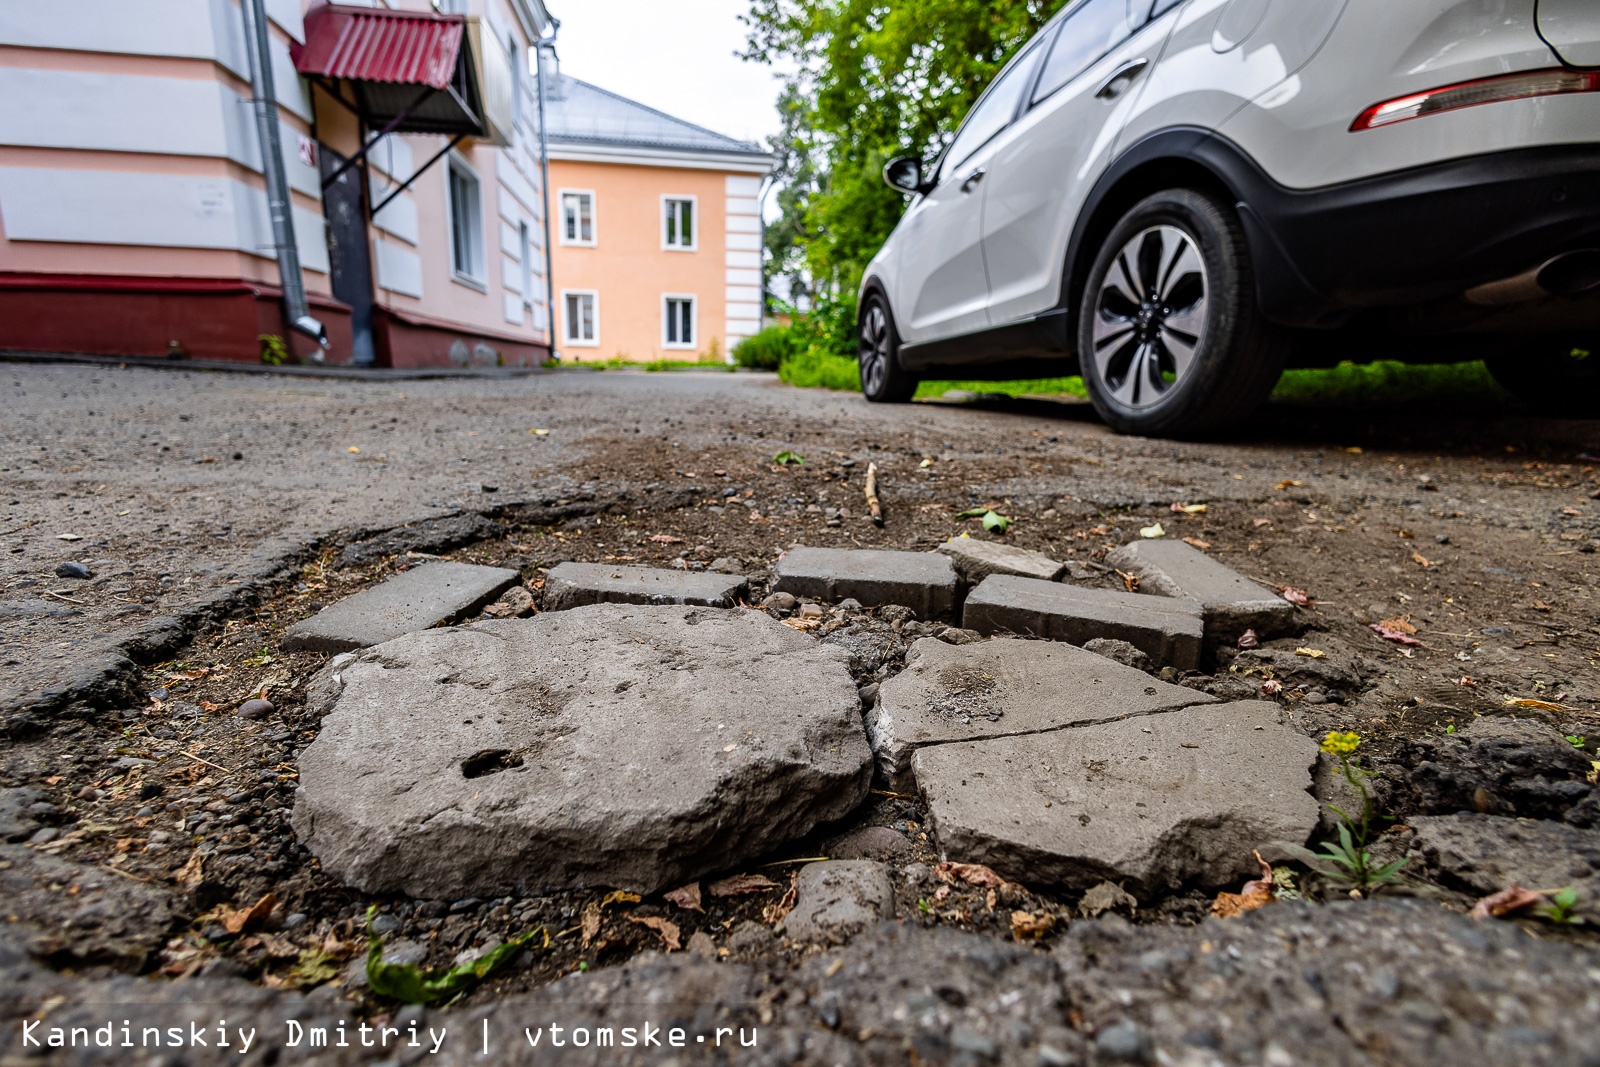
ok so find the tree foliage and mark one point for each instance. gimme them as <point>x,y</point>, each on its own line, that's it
<point>876,79</point>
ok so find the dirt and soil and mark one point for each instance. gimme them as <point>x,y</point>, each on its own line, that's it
<point>214,511</point>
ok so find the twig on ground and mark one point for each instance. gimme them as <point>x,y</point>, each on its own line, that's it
<point>873,505</point>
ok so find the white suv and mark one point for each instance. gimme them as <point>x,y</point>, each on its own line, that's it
<point>1176,198</point>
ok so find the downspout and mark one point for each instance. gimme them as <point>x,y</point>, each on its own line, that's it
<point>265,102</point>
<point>544,183</point>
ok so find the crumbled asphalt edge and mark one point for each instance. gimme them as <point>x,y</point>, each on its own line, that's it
<point>110,678</point>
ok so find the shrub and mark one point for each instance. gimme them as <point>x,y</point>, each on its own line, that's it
<point>812,370</point>
<point>767,349</point>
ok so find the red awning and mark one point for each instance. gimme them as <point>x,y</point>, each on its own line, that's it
<point>376,45</point>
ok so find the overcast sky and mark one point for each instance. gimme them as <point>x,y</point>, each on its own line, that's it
<point>675,55</point>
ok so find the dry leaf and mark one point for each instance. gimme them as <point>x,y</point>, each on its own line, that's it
<point>1025,925</point>
<point>1289,483</point>
<point>1152,531</point>
<point>1131,581</point>
<point>970,873</point>
<point>1258,523</point>
<point>1297,597</point>
<point>1539,605</point>
<point>666,539</point>
<point>1254,895</point>
<point>1397,623</point>
<point>353,450</point>
<point>1511,898</point>
<point>1249,640</point>
<point>741,885</point>
<point>1537,705</point>
<point>1393,635</point>
<point>1105,897</point>
<point>686,897</point>
<point>590,922</point>
<point>1423,561</point>
<point>1271,687</point>
<point>665,927</point>
<point>1311,653</point>
<point>1189,509</point>
<point>1195,542</point>
<point>619,896</point>
<point>773,914</point>
<point>236,921</point>
<point>190,873</point>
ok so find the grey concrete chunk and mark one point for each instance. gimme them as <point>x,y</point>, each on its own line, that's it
<point>923,581</point>
<point>418,599</point>
<point>1003,687</point>
<point>1153,802</point>
<point>1168,631</point>
<point>1230,602</point>
<point>975,560</point>
<point>572,585</point>
<point>16,821</point>
<point>837,899</point>
<point>634,746</point>
<point>1487,853</point>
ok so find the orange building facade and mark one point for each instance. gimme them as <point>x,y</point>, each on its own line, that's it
<point>656,230</point>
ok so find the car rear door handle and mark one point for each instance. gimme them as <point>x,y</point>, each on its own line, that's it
<point>1113,86</point>
<point>972,179</point>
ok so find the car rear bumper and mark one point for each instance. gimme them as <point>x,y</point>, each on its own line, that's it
<point>1429,236</point>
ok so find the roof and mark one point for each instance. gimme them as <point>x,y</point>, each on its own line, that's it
<point>376,45</point>
<point>578,113</point>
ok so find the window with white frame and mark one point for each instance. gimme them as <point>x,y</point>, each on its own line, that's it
<point>525,249</point>
<point>577,217</point>
<point>678,325</point>
<point>678,233</point>
<point>581,316</point>
<point>465,194</point>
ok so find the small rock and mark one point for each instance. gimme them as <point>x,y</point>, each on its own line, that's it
<point>954,635</point>
<point>1120,651</point>
<point>256,709</point>
<point>515,603</point>
<point>44,836</point>
<point>868,694</point>
<point>1078,572</point>
<point>700,944</point>
<point>295,919</point>
<point>837,899</point>
<point>1314,697</point>
<point>1125,1041</point>
<point>811,611</point>
<point>751,939</point>
<point>782,602</point>
<point>871,843</point>
<point>1104,897</point>
<point>16,820</point>
<point>464,904</point>
<point>725,565</point>
<point>74,569</point>
<point>89,793</point>
<point>850,605</point>
<point>385,924</point>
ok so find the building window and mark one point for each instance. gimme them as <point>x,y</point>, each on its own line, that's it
<point>525,249</point>
<point>577,217</point>
<point>466,222</point>
<point>581,317</point>
<point>679,233</point>
<point>678,327</point>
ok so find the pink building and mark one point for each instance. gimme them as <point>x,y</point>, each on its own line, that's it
<point>135,210</point>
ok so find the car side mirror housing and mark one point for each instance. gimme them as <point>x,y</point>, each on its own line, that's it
<point>905,174</point>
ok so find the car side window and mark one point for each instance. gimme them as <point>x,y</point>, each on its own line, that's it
<point>994,111</point>
<point>1087,33</point>
<point>1163,6</point>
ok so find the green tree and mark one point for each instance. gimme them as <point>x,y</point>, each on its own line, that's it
<point>876,79</point>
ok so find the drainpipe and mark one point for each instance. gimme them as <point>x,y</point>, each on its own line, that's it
<point>265,102</point>
<point>547,38</point>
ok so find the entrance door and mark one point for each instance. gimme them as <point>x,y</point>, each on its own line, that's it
<point>349,252</point>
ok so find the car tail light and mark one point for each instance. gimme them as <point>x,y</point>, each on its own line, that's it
<point>1553,82</point>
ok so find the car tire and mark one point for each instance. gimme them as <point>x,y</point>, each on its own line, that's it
<point>1561,376</point>
<point>883,381</point>
<point>1170,338</point>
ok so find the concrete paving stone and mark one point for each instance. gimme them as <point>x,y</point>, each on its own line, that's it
<point>1152,803</point>
<point>1230,602</point>
<point>837,899</point>
<point>1003,687</point>
<point>1169,631</point>
<point>1486,853</point>
<point>976,559</point>
<point>572,585</point>
<point>417,599</point>
<point>922,581</point>
<point>632,746</point>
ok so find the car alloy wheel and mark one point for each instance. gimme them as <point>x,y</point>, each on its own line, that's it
<point>1150,316</point>
<point>876,352</point>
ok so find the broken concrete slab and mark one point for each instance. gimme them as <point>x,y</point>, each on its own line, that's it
<point>1167,630</point>
<point>1486,853</point>
<point>1230,602</point>
<point>417,599</point>
<point>837,899</point>
<point>925,582</point>
<point>572,585</point>
<point>975,560</point>
<point>1004,687</point>
<point>634,746</point>
<point>1152,803</point>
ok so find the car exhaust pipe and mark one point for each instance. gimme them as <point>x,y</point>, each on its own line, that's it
<point>1569,274</point>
